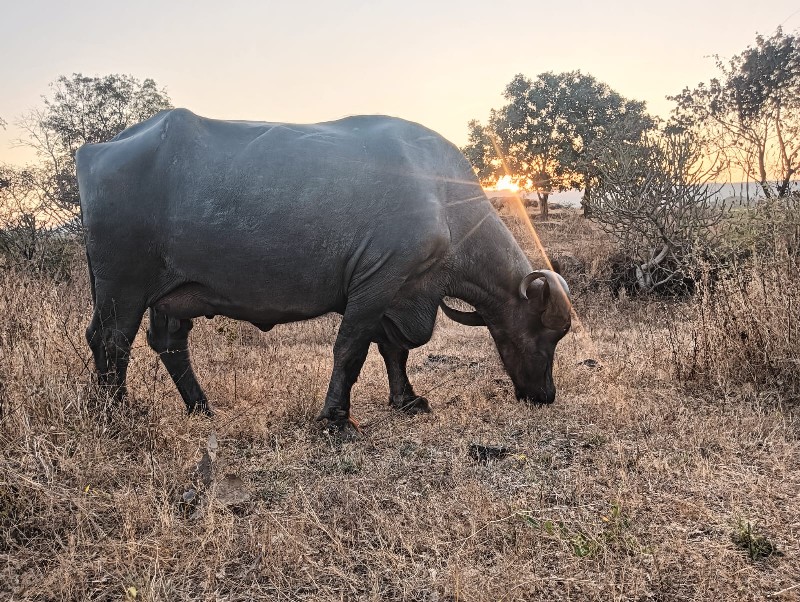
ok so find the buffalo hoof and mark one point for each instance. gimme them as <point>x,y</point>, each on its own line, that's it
<point>200,408</point>
<point>411,405</point>
<point>344,431</point>
<point>333,415</point>
<point>340,424</point>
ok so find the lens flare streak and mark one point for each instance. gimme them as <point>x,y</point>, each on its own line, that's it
<point>519,210</point>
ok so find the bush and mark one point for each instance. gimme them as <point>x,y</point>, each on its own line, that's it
<point>743,328</point>
<point>35,237</point>
<point>746,330</point>
<point>658,200</point>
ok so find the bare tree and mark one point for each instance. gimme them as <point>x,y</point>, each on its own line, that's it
<point>659,199</point>
<point>750,113</point>
<point>28,225</point>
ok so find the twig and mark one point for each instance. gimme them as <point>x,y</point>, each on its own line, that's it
<point>80,355</point>
<point>784,590</point>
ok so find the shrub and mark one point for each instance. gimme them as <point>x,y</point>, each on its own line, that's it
<point>743,328</point>
<point>34,236</point>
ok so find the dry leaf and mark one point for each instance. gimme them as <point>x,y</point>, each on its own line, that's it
<point>232,491</point>
<point>212,445</point>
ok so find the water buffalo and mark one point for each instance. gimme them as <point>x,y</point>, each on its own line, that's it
<point>372,217</point>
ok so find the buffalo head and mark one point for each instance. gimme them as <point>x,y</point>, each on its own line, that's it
<point>526,328</point>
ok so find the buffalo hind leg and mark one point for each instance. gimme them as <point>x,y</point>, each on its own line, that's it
<point>94,336</point>
<point>401,393</point>
<point>110,335</point>
<point>169,338</point>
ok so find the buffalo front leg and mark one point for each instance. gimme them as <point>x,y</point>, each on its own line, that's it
<point>94,337</point>
<point>401,393</point>
<point>349,353</point>
<point>169,338</point>
<point>359,327</point>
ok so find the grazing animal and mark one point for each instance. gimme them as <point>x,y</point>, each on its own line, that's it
<point>371,217</point>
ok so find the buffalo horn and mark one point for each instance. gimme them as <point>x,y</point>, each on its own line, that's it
<point>557,313</point>
<point>467,318</point>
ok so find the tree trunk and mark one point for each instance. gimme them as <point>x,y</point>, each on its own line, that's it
<point>762,172</point>
<point>788,170</point>
<point>544,209</point>
<point>586,201</point>
<point>783,189</point>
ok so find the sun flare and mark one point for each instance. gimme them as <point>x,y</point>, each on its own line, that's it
<point>506,183</point>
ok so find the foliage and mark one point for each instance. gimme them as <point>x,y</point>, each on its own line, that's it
<point>742,334</point>
<point>29,238</point>
<point>769,227</point>
<point>657,199</point>
<point>83,110</point>
<point>756,545</point>
<point>750,113</point>
<point>545,133</point>
<point>480,151</point>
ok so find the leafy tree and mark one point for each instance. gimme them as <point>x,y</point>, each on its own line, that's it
<point>83,110</point>
<point>597,115</point>
<point>750,113</point>
<point>544,135</point>
<point>480,151</point>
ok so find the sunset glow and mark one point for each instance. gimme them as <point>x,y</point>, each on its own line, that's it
<point>506,183</point>
<point>432,81</point>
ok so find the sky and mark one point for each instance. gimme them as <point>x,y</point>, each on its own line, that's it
<point>439,63</point>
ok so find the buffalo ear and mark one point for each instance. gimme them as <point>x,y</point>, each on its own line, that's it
<point>554,301</point>
<point>537,292</point>
<point>467,318</point>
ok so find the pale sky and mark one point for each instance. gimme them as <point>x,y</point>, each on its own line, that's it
<point>438,63</point>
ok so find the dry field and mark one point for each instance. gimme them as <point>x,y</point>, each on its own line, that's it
<point>662,474</point>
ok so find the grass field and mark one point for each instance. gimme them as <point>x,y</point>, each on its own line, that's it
<point>660,474</point>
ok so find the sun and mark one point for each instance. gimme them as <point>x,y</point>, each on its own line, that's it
<point>505,183</point>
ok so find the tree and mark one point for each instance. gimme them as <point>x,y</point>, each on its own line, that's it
<point>83,110</point>
<point>480,151</point>
<point>657,198</point>
<point>543,136</point>
<point>28,233</point>
<point>528,134</point>
<point>750,113</point>
<point>597,116</point>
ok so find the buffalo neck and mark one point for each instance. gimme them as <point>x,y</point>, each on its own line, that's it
<point>487,264</point>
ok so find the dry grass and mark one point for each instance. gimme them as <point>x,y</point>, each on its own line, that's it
<point>628,488</point>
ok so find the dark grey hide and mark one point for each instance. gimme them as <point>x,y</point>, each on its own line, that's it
<point>372,217</point>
